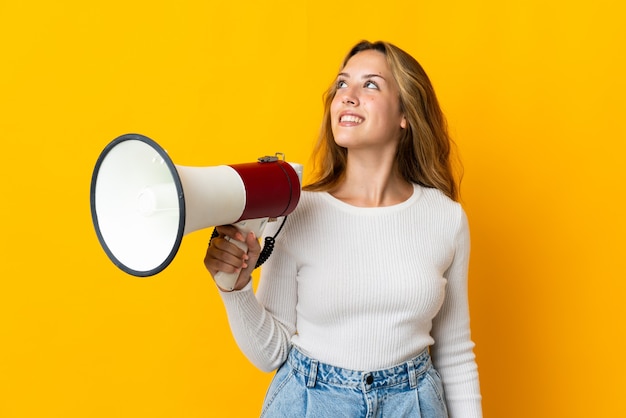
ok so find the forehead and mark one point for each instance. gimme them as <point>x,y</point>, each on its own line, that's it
<point>368,62</point>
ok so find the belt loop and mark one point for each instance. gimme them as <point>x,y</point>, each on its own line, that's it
<point>412,373</point>
<point>312,374</point>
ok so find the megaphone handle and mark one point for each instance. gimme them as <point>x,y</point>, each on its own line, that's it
<point>227,281</point>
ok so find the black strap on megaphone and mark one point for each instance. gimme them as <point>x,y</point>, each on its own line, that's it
<point>268,245</point>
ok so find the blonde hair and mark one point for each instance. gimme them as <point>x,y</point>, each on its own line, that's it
<point>424,151</point>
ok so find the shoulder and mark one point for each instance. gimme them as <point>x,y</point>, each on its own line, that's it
<point>436,196</point>
<point>441,207</point>
<point>311,200</point>
<point>438,200</point>
<point>309,207</point>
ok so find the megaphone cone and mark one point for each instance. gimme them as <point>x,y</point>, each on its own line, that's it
<point>142,204</point>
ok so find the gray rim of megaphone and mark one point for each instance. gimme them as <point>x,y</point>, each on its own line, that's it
<point>179,191</point>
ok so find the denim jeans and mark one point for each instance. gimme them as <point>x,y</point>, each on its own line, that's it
<point>304,387</point>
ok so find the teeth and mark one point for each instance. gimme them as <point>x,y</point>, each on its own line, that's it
<point>351,118</point>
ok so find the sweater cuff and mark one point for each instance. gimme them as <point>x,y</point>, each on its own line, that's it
<point>225,293</point>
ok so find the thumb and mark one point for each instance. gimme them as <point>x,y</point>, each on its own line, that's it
<point>254,248</point>
<point>251,257</point>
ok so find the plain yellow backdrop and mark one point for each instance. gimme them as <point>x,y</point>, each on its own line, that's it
<point>534,93</point>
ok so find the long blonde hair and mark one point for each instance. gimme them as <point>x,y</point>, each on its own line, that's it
<point>424,151</point>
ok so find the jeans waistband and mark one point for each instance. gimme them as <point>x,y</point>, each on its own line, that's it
<point>315,371</point>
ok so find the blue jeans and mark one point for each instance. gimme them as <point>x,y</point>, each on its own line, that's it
<point>304,387</point>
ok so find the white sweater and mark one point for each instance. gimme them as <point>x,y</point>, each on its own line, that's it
<point>366,289</point>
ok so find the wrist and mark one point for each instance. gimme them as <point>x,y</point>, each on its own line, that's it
<point>238,286</point>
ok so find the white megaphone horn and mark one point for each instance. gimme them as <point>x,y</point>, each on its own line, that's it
<point>142,204</point>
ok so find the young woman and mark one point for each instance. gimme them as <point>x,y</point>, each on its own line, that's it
<point>363,306</point>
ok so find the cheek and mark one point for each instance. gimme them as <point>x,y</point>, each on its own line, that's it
<point>334,106</point>
<point>395,116</point>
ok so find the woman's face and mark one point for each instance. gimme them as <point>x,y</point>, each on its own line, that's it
<point>365,112</point>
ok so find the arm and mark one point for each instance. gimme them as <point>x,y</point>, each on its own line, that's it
<point>452,353</point>
<point>263,324</point>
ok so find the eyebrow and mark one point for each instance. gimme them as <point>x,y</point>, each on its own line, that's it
<point>364,77</point>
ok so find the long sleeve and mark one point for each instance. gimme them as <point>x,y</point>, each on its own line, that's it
<point>452,352</point>
<point>263,324</point>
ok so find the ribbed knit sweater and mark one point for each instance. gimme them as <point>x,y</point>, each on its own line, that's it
<point>365,289</point>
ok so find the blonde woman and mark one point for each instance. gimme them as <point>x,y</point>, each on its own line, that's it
<point>362,308</point>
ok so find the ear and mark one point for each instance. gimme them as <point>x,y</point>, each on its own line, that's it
<point>403,122</point>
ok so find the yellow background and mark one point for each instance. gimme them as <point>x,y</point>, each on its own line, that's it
<point>534,93</point>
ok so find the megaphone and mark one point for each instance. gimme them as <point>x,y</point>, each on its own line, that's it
<point>142,204</point>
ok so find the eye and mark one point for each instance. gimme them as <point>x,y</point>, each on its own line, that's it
<point>341,84</point>
<point>370,85</point>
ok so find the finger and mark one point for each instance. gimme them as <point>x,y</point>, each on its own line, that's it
<point>217,260</point>
<point>230,231</point>
<point>254,248</point>
<point>227,246</point>
<point>231,254</point>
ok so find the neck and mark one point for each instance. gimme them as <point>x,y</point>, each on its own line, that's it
<point>372,182</point>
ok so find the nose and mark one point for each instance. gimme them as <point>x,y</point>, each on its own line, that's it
<point>348,97</point>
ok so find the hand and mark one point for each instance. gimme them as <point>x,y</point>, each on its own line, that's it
<point>223,255</point>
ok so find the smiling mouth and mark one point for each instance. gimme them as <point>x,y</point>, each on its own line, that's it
<point>350,119</point>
